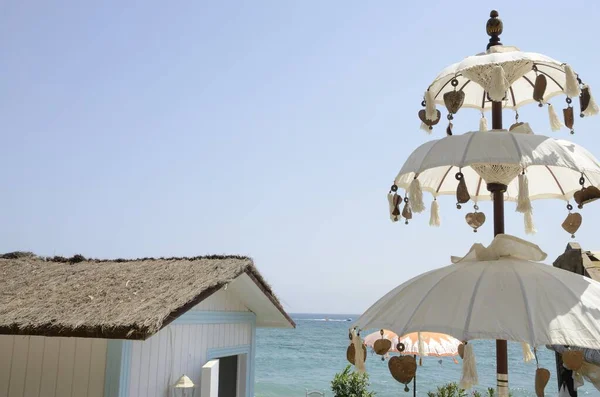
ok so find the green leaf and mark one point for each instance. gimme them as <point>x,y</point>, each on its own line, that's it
<point>351,384</point>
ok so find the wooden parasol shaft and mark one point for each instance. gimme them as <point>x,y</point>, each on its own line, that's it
<point>497,190</point>
<point>494,28</point>
<point>415,381</point>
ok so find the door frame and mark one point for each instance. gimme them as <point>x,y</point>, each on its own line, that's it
<point>217,353</point>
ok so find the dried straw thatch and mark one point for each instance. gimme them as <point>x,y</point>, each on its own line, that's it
<point>122,299</point>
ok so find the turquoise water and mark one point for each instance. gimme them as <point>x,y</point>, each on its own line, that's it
<point>290,361</point>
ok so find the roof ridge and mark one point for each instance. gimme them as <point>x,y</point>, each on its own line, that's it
<point>98,299</point>
<point>80,258</point>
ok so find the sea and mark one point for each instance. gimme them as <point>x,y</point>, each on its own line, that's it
<point>290,361</point>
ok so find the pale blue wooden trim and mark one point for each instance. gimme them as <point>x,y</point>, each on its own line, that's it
<point>117,368</point>
<point>201,317</point>
<point>118,352</point>
<point>212,354</point>
<point>248,350</point>
<point>125,368</point>
<point>221,352</point>
<point>252,360</point>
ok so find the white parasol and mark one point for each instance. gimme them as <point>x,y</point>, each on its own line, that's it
<point>554,166</point>
<point>504,76</point>
<point>495,292</point>
<point>498,292</point>
<point>541,166</point>
<point>520,69</point>
<point>508,77</point>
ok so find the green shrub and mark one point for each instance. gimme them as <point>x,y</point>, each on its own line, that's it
<point>491,392</point>
<point>448,390</point>
<point>453,390</point>
<point>351,384</point>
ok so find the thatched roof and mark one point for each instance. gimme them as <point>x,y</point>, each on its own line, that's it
<point>576,260</point>
<point>123,299</point>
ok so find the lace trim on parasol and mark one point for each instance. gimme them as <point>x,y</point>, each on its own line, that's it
<point>513,71</point>
<point>497,173</point>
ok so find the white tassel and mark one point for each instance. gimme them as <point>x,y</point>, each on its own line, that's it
<point>572,89</point>
<point>469,369</point>
<point>529,226</point>
<point>564,392</point>
<point>359,359</point>
<point>483,123</point>
<point>592,108</point>
<point>421,345</point>
<point>577,380</point>
<point>415,195</point>
<point>430,110</point>
<point>523,201</point>
<point>390,196</point>
<point>527,353</point>
<point>425,128</point>
<point>498,84</point>
<point>555,123</point>
<point>434,219</point>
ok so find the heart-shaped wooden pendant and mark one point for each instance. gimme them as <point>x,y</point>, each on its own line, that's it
<point>461,350</point>
<point>569,118</point>
<point>539,88</point>
<point>542,376</point>
<point>462,193</point>
<point>429,123</point>
<point>382,346</point>
<point>351,353</point>
<point>584,100</point>
<point>573,359</point>
<point>403,368</point>
<point>572,223</point>
<point>454,100</point>
<point>586,195</point>
<point>475,219</point>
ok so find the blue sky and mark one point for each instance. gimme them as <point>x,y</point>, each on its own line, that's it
<point>266,128</point>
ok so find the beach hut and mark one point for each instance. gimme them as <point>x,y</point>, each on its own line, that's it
<point>579,261</point>
<point>144,327</point>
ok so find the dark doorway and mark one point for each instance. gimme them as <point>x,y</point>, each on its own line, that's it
<point>228,376</point>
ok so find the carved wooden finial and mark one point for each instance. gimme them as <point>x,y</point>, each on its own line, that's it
<point>494,29</point>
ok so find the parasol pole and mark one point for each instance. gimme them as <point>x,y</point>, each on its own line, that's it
<point>494,30</point>
<point>415,381</point>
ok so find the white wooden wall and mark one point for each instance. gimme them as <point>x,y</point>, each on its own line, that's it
<point>178,350</point>
<point>181,348</point>
<point>36,366</point>
<point>222,301</point>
